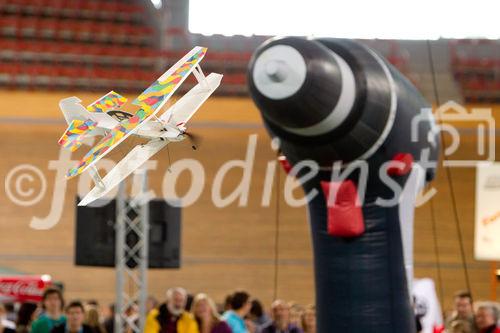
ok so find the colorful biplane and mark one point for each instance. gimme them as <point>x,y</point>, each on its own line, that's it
<point>105,117</point>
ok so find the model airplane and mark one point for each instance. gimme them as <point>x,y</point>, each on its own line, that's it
<point>104,117</point>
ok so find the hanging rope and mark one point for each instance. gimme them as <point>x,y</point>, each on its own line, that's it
<point>169,161</point>
<point>448,174</point>
<point>436,251</point>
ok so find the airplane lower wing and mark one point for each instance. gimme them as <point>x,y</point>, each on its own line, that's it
<point>73,137</point>
<point>134,159</point>
<point>151,102</point>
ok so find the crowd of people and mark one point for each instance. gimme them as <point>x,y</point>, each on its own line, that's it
<point>184,313</point>
<point>239,314</point>
<point>179,313</point>
<point>463,318</point>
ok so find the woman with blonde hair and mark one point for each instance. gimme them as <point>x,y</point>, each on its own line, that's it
<point>296,311</point>
<point>309,319</point>
<point>92,320</point>
<point>206,315</point>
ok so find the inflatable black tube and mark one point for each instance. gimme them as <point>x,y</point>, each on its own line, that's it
<point>360,282</point>
<point>335,100</point>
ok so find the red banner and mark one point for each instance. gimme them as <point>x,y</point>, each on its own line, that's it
<point>24,288</point>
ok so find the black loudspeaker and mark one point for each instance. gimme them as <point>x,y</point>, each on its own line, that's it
<point>95,235</point>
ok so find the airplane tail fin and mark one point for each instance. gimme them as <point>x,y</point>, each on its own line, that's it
<point>73,110</point>
<point>110,101</point>
<point>85,122</point>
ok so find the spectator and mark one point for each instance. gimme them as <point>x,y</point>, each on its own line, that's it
<point>151,303</point>
<point>132,317</point>
<point>11,312</point>
<point>205,313</point>
<point>52,305</point>
<point>109,322</point>
<point>250,326</point>
<point>171,317</point>
<point>92,320</point>
<point>75,313</point>
<point>240,307</point>
<point>189,302</point>
<point>462,303</point>
<point>93,303</point>
<point>6,326</point>
<point>296,312</point>
<point>227,303</point>
<point>26,315</point>
<point>258,316</point>
<point>460,326</point>
<point>487,318</point>
<point>4,329</point>
<point>308,319</point>
<point>280,312</point>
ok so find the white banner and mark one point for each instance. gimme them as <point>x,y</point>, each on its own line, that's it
<point>426,305</point>
<point>487,231</point>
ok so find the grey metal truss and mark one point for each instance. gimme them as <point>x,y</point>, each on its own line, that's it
<point>132,238</point>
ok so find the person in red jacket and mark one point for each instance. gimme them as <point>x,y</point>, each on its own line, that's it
<point>487,318</point>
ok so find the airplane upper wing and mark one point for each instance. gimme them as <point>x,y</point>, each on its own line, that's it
<point>180,113</point>
<point>156,94</point>
<point>150,101</point>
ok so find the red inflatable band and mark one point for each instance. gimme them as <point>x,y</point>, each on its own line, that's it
<point>345,217</point>
<point>285,164</point>
<point>400,165</point>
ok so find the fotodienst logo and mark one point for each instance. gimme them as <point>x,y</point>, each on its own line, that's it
<point>26,184</point>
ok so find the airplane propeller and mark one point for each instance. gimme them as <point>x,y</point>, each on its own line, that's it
<point>195,139</point>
